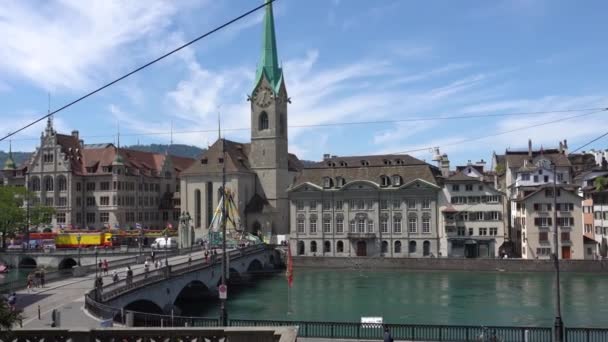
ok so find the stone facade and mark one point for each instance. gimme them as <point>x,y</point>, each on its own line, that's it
<point>365,206</point>
<point>102,186</point>
<point>473,214</point>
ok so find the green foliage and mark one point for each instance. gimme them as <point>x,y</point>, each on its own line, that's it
<point>600,183</point>
<point>500,169</point>
<point>13,214</point>
<point>8,317</point>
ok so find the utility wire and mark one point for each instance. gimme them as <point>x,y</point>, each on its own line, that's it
<point>141,68</point>
<point>414,119</point>
<point>592,141</point>
<point>507,131</point>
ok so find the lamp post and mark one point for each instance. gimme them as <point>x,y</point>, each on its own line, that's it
<point>559,324</point>
<point>78,238</point>
<point>96,263</point>
<point>141,241</point>
<point>166,246</point>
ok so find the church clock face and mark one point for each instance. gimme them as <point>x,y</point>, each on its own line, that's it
<point>263,97</point>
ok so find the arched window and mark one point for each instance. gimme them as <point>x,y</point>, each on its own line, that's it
<point>61,183</point>
<point>48,183</point>
<point>197,208</point>
<point>397,246</point>
<point>35,184</point>
<point>327,182</point>
<point>384,247</point>
<point>301,248</point>
<point>340,182</point>
<point>340,247</point>
<point>385,181</point>
<point>396,180</point>
<point>263,121</point>
<point>412,247</point>
<point>426,248</point>
<point>327,247</point>
<point>313,246</point>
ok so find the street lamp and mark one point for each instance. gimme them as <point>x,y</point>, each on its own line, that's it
<point>166,250</point>
<point>96,262</point>
<point>78,238</point>
<point>559,324</point>
<point>141,240</point>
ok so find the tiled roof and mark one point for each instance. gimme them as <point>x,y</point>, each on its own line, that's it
<point>368,168</point>
<point>516,159</point>
<point>566,187</point>
<point>462,177</point>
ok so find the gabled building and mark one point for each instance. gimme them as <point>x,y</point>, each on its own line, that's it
<point>365,206</point>
<point>12,174</point>
<point>595,212</point>
<point>473,215</point>
<point>257,173</point>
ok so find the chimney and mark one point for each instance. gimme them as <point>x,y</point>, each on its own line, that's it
<point>565,147</point>
<point>445,165</point>
<point>561,147</point>
<point>481,163</point>
<point>75,134</point>
<point>325,156</point>
<point>530,148</point>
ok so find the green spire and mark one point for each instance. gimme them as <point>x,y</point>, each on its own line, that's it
<point>9,163</point>
<point>269,62</point>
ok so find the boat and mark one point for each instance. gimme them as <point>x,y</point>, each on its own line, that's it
<point>3,268</point>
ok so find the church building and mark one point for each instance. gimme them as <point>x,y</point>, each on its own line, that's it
<point>257,173</point>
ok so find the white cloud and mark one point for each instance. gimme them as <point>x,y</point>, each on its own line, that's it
<point>66,44</point>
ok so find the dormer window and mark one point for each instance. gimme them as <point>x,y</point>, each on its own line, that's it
<point>398,161</point>
<point>364,163</point>
<point>396,180</point>
<point>327,182</point>
<point>339,182</point>
<point>204,161</point>
<point>343,163</point>
<point>385,181</point>
<point>220,160</point>
<point>387,162</point>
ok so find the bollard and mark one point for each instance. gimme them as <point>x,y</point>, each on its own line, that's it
<point>39,318</point>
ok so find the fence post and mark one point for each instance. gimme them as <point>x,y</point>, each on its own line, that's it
<point>523,334</point>
<point>588,337</point>
<point>467,333</point>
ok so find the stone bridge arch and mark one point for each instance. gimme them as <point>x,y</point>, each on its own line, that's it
<point>194,291</point>
<point>67,263</point>
<point>255,265</point>
<point>144,305</point>
<point>27,262</point>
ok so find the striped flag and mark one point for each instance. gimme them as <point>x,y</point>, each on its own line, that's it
<point>289,272</point>
<point>138,225</point>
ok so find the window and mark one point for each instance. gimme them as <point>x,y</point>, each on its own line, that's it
<point>397,225</point>
<point>459,200</point>
<point>340,225</point>
<point>61,183</point>
<point>383,204</point>
<point>90,217</point>
<point>351,226</point>
<point>48,183</point>
<point>326,225</point>
<point>543,251</point>
<point>546,178</point>
<point>564,206</point>
<point>263,121</point>
<point>412,247</point>
<point>525,176</point>
<point>78,217</point>
<point>426,224</point>
<point>370,226</point>
<point>495,215</point>
<point>339,180</point>
<point>471,232</point>
<point>476,216</point>
<point>543,221</point>
<point>299,205</point>
<point>384,181</point>
<point>313,225</point>
<point>62,202</point>
<point>411,204</point>
<point>313,246</point>
<point>413,224</point>
<point>455,187</point>
<point>360,225</point>
<point>360,204</point>
<point>397,246</point>
<point>543,237</point>
<point>78,201</point>
<point>91,186</point>
<point>60,217</point>
<point>493,199</point>
<point>339,204</point>
<point>384,248</point>
<point>312,205</point>
<point>104,217</point>
<point>483,231</point>
<point>565,221</point>
<point>493,231</point>
<point>104,186</point>
<point>326,205</point>
<point>90,201</point>
<point>35,184</point>
<point>535,179</point>
<point>340,247</point>
<point>327,182</point>
<point>480,188</point>
<point>299,225</point>
<point>426,203</point>
<point>104,200</point>
<point>565,236</point>
<point>326,247</point>
<point>588,228</point>
<point>468,187</point>
<point>474,199</point>
<point>396,180</point>
<point>461,231</point>
<point>384,225</point>
<point>560,177</point>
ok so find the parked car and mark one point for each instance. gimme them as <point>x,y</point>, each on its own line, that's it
<point>161,243</point>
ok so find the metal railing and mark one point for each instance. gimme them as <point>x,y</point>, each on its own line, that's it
<point>586,335</point>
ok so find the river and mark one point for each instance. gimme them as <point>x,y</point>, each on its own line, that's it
<point>427,297</point>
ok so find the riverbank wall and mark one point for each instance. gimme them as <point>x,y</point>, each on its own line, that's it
<point>452,264</point>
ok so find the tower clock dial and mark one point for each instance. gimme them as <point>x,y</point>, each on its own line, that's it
<point>263,96</point>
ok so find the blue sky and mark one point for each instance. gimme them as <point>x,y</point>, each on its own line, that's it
<point>344,61</point>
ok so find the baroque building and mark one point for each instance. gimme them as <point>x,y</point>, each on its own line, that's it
<point>365,206</point>
<point>100,186</point>
<point>257,173</point>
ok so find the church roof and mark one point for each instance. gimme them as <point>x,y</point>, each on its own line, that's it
<point>369,168</point>
<point>269,61</point>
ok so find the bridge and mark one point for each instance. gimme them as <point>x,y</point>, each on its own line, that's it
<point>68,258</point>
<point>158,291</point>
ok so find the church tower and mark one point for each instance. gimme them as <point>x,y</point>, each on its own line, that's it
<point>269,156</point>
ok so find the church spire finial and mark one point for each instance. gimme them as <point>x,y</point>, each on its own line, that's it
<point>117,157</point>
<point>10,164</point>
<point>269,61</point>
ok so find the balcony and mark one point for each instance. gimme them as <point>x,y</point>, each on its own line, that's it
<point>357,235</point>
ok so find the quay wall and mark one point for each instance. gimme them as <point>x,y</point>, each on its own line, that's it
<point>452,264</point>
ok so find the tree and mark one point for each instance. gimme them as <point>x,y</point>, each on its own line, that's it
<point>14,214</point>
<point>8,317</point>
<point>601,183</point>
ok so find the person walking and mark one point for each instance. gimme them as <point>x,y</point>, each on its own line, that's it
<point>129,275</point>
<point>146,268</point>
<point>115,276</point>
<point>42,278</point>
<point>387,335</point>
<point>30,282</point>
<point>106,266</point>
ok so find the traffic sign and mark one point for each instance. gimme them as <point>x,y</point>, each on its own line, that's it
<point>223,289</point>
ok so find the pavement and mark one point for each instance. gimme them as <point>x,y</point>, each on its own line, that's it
<point>67,297</point>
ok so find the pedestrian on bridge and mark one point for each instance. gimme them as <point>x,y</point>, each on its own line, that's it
<point>42,277</point>
<point>129,275</point>
<point>106,266</point>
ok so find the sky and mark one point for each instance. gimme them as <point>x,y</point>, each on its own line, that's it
<point>344,61</point>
